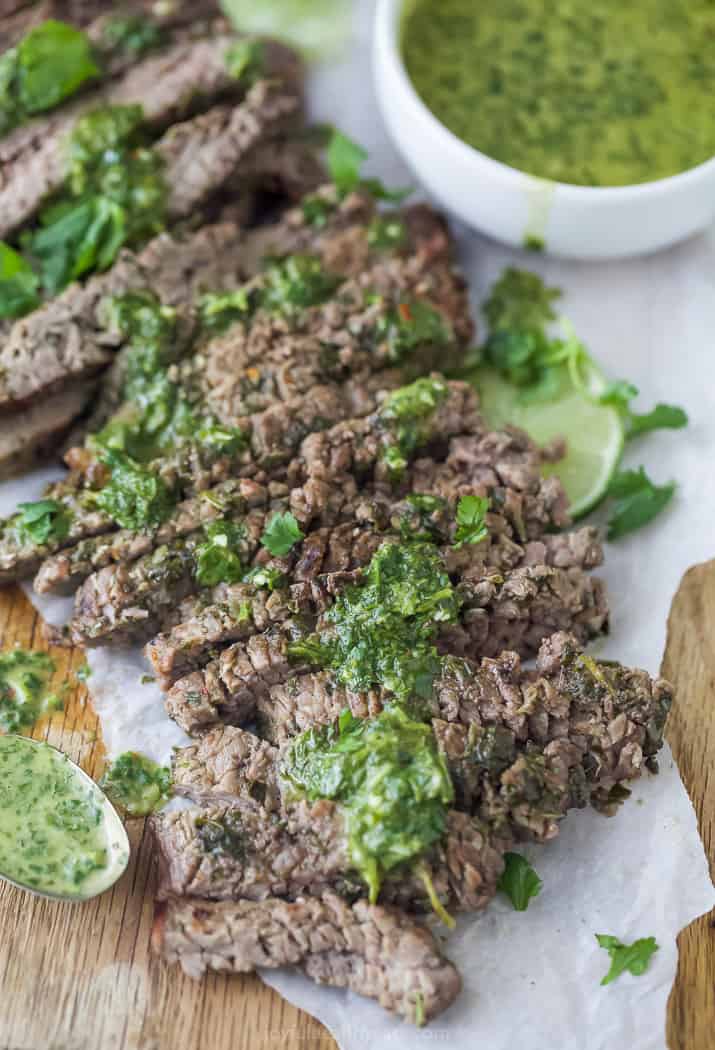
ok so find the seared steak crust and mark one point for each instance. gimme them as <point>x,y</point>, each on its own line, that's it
<point>372,950</point>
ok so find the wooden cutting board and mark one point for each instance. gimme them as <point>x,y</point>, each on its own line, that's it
<point>81,977</point>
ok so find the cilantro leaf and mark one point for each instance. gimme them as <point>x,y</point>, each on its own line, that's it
<point>265,576</point>
<point>53,61</point>
<point>637,500</point>
<point>519,881</point>
<point>75,239</point>
<point>345,160</point>
<point>620,393</point>
<point>670,417</point>
<point>245,60</point>
<point>218,559</point>
<point>42,521</point>
<point>281,533</point>
<point>633,957</point>
<point>471,520</point>
<point>18,284</point>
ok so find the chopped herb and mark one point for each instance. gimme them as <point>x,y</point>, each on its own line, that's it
<point>222,836</point>
<point>228,440</point>
<point>295,283</point>
<point>637,500</point>
<point>390,777</point>
<point>416,522</point>
<point>633,957</point>
<point>133,33</point>
<point>136,784</point>
<point>471,520</point>
<point>345,161</point>
<point>281,533</point>
<point>317,210</point>
<point>519,881</point>
<point>136,498</point>
<point>83,672</point>
<point>43,522</point>
<point>408,412</point>
<point>386,232</point>
<point>51,63</point>
<point>219,310</point>
<point>18,284</point>
<point>115,195</point>
<point>24,681</point>
<point>245,60</point>
<point>520,301</point>
<point>265,576</point>
<point>147,679</point>
<point>412,325</point>
<point>218,559</point>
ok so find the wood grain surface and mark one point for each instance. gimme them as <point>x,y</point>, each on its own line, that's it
<point>80,977</point>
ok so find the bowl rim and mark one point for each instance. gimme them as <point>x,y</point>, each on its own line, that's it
<point>386,27</point>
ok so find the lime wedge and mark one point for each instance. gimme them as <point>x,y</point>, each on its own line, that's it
<point>594,433</point>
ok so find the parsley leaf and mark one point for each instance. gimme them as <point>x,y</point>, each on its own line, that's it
<point>218,559</point>
<point>281,533</point>
<point>519,881</point>
<point>471,520</point>
<point>75,239</point>
<point>345,160</point>
<point>42,521</point>
<point>637,500</point>
<point>632,957</point>
<point>18,284</point>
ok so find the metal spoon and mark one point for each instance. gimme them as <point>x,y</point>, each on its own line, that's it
<point>118,848</point>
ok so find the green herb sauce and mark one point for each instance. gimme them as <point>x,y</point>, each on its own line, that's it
<point>390,778</point>
<point>53,833</point>
<point>407,413</point>
<point>604,93</point>
<point>136,784</point>
<point>24,692</point>
<point>382,630</point>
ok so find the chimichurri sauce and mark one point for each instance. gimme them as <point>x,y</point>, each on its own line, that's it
<point>592,92</point>
<point>53,833</point>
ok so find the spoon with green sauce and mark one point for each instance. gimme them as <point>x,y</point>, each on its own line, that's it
<point>60,837</point>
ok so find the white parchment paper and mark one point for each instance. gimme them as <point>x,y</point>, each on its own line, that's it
<point>531,980</point>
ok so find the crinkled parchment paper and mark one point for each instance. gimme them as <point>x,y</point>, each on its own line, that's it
<point>531,980</point>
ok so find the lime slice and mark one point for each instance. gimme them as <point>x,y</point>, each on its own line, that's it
<point>594,433</point>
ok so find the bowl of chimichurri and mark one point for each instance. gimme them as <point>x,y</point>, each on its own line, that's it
<point>584,128</point>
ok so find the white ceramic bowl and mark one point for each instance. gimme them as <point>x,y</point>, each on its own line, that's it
<point>573,221</point>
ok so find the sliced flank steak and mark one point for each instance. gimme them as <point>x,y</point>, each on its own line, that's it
<point>374,951</point>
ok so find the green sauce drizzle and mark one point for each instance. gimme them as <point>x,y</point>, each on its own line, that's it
<point>136,784</point>
<point>24,693</point>
<point>390,778</point>
<point>598,94</point>
<point>135,497</point>
<point>382,630</point>
<point>408,413</point>
<point>53,834</point>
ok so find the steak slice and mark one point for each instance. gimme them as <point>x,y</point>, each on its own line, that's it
<point>31,434</point>
<point>185,78</point>
<point>566,745</point>
<point>240,851</point>
<point>374,951</point>
<point>64,339</point>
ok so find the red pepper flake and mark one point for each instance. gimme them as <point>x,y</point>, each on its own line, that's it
<point>405,313</point>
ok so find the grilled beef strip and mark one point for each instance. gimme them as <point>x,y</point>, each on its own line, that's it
<point>170,86</point>
<point>515,609</point>
<point>65,339</point>
<point>34,432</point>
<point>375,951</point>
<point>240,851</point>
<point>497,574</point>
